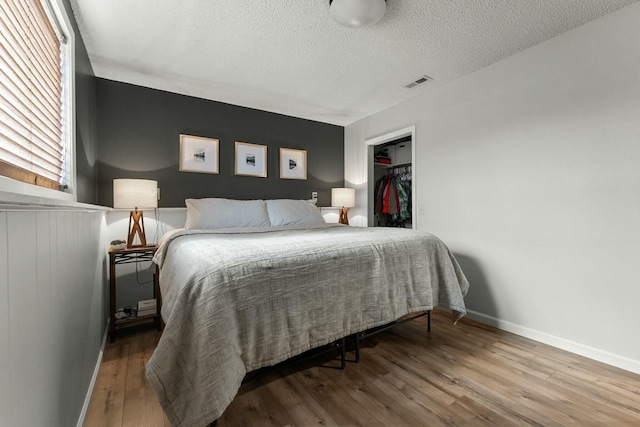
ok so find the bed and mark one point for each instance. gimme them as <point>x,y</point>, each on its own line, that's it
<point>243,290</point>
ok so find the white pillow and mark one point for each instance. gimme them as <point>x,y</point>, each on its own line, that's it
<point>226,213</point>
<point>293,212</point>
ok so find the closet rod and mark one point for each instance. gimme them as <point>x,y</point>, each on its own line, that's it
<point>400,165</point>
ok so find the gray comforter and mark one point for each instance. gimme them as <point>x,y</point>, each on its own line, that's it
<point>236,300</point>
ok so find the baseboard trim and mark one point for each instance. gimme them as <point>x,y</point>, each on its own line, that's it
<point>558,342</point>
<point>94,377</point>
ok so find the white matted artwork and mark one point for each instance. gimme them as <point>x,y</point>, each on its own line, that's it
<point>198,154</point>
<point>251,159</point>
<point>293,163</point>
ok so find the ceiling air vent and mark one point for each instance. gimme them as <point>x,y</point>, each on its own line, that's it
<point>420,81</point>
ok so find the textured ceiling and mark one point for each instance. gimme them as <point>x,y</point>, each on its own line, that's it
<point>289,57</point>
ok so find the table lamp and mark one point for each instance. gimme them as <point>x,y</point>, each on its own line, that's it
<point>135,194</point>
<point>343,198</point>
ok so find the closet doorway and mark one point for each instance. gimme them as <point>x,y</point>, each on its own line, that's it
<point>391,186</point>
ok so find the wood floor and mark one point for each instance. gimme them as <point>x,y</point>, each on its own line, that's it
<point>469,374</point>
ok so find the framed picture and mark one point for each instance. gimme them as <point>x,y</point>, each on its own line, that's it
<point>293,163</point>
<point>251,159</point>
<point>198,154</point>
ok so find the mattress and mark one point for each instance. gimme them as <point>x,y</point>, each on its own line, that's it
<point>235,300</point>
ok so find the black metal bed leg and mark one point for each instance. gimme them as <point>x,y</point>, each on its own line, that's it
<point>429,321</point>
<point>357,348</point>
<point>343,351</point>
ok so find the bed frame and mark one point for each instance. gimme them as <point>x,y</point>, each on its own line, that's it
<point>373,331</point>
<point>340,344</point>
<point>448,279</point>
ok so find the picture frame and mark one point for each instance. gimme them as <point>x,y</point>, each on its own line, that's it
<point>293,163</point>
<point>251,159</point>
<point>199,154</point>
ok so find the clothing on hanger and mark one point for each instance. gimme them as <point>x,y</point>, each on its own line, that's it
<point>392,197</point>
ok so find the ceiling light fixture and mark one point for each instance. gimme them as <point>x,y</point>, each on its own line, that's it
<point>357,13</point>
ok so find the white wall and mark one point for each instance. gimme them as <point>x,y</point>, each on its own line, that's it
<point>52,313</point>
<point>529,170</point>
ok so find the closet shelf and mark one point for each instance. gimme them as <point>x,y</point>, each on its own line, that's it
<point>392,165</point>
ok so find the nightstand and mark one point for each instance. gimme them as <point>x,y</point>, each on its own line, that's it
<point>127,256</point>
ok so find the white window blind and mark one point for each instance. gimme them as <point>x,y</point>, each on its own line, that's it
<point>32,147</point>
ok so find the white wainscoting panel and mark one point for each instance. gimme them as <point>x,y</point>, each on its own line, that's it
<point>5,359</point>
<point>52,314</point>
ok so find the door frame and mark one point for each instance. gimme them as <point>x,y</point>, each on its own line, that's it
<point>383,139</point>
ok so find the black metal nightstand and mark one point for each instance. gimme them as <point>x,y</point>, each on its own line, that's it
<point>127,256</point>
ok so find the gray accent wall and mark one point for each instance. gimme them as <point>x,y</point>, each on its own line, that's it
<point>138,137</point>
<point>86,137</point>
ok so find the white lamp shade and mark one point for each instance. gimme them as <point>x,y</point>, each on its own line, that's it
<point>135,193</point>
<point>357,13</point>
<point>343,197</point>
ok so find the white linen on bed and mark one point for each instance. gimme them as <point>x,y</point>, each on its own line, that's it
<point>293,212</point>
<point>237,300</point>
<point>225,213</point>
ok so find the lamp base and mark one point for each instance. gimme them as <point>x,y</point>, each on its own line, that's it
<point>343,219</point>
<point>137,228</point>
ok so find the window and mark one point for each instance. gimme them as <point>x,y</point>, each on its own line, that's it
<point>36,93</point>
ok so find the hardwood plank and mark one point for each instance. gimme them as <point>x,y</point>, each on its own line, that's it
<point>106,407</point>
<point>137,411</point>
<point>531,391</point>
<point>397,404</point>
<point>469,374</point>
<point>468,412</point>
<point>512,385</point>
<point>515,361</point>
<point>301,407</point>
<point>592,388</point>
<point>415,386</point>
<point>260,406</point>
<point>481,387</point>
<point>344,407</point>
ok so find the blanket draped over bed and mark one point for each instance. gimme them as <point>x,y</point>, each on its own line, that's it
<point>236,300</point>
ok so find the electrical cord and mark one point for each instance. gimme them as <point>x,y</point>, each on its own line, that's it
<point>138,271</point>
<point>160,231</point>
